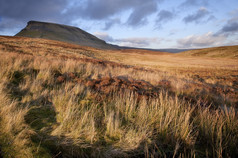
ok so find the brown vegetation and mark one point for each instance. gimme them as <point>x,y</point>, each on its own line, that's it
<point>63,100</point>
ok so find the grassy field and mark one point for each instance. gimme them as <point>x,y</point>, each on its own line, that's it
<point>63,100</point>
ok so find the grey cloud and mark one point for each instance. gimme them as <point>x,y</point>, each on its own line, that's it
<point>207,40</point>
<point>8,23</point>
<point>230,27</point>
<point>211,17</point>
<point>31,9</point>
<point>190,3</point>
<point>10,26</point>
<point>111,22</point>
<point>101,9</point>
<point>16,13</point>
<point>164,16</point>
<point>106,9</point>
<point>67,11</point>
<point>198,16</point>
<point>140,13</point>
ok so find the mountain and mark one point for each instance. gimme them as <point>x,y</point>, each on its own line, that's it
<point>64,33</point>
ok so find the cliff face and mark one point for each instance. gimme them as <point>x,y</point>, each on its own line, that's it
<point>63,33</point>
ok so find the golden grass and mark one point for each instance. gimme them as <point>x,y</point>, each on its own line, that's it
<point>217,52</point>
<point>14,132</point>
<point>44,117</point>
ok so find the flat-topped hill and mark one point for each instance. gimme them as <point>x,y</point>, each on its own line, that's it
<point>64,33</point>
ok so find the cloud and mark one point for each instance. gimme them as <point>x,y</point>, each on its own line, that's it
<point>206,40</point>
<point>30,9</point>
<point>9,26</point>
<point>111,22</point>
<point>138,16</point>
<point>101,9</point>
<point>106,9</point>
<point>67,11</point>
<point>164,16</point>
<point>8,23</point>
<point>198,16</point>
<point>230,27</point>
<point>16,13</point>
<point>139,42</point>
<point>104,36</point>
<point>191,3</point>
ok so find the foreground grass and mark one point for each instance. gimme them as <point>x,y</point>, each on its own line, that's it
<point>41,116</point>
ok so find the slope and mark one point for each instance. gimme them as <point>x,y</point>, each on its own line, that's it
<point>218,52</point>
<point>64,33</point>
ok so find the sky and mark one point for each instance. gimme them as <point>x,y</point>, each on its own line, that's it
<point>136,23</point>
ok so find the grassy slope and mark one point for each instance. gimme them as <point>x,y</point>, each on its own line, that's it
<point>64,100</point>
<point>218,52</point>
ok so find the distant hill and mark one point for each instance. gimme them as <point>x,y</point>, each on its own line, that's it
<point>169,50</point>
<point>64,33</point>
<point>219,52</point>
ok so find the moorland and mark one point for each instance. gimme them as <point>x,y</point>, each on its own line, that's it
<point>64,100</point>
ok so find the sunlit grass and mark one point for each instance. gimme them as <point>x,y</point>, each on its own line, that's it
<point>41,116</point>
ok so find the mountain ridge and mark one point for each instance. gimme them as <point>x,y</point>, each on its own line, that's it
<point>64,33</point>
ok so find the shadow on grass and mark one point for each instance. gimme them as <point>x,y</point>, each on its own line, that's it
<point>41,117</point>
